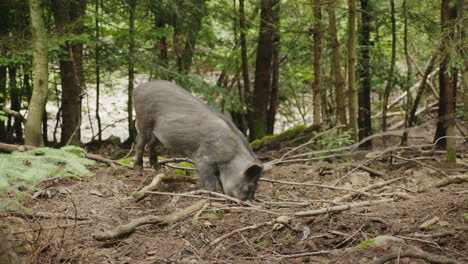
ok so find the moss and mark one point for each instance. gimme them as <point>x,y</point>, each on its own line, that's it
<point>366,243</point>
<point>290,132</point>
<point>183,172</point>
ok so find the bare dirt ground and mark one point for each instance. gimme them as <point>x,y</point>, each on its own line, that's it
<point>273,232</point>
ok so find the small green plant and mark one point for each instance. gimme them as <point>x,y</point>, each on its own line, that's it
<point>433,227</point>
<point>334,139</point>
<point>262,244</point>
<point>288,240</point>
<point>465,216</point>
<point>365,243</point>
<point>127,162</point>
<point>184,172</point>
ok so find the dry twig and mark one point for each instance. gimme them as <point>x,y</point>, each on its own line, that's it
<point>314,185</point>
<point>414,253</point>
<point>365,189</point>
<point>150,219</point>
<point>230,234</point>
<point>340,208</point>
<point>450,180</point>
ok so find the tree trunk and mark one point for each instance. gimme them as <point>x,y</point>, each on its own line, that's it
<point>316,85</point>
<point>32,131</point>
<point>245,68</point>
<point>263,69</point>
<point>404,139</point>
<point>446,113</point>
<point>97,68</point>
<point>68,17</point>
<point>275,72</point>
<point>391,71</point>
<point>3,74</point>
<point>15,96</point>
<point>364,73</point>
<point>447,84</point>
<point>131,72</point>
<point>352,98</point>
<point>336,68</point>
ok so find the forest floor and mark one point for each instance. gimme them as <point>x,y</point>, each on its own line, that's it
<point>269,230</point>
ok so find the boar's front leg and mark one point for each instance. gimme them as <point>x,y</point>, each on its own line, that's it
<point>207,175</point>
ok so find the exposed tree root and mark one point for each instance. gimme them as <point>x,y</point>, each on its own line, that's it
<point>415,253</point>
<point>340,208</point>
<point>152,186</point>
<point>315,185</point>
<point>126,229</point>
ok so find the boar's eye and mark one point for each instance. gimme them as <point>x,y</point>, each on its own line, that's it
<point>253,171</point>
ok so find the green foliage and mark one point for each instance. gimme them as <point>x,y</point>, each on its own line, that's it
<point>465,216</point>
<point>21,171</point>
<point>365,244</point>
<point>262,244</point>
<point>334,139</point>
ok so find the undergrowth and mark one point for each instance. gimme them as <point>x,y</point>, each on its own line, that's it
<point>22,171</point>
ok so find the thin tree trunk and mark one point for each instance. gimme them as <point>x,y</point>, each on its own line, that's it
<point>446,113</point>
<point>275,73</point>
<point>336,68</point>
<point>245,68</point>
<point>317,85</point>
<point>3,74</point>
<point>404,139</point>
<point>263,69</point>
<point>352,98</point>
<point>15,97</point>
<point>131,72</point>
<point>389,85</point>
<point>364,70</point>
<point>32,131</point>
<point>97,68</point>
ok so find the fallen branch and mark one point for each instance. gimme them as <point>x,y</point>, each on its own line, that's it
<point>42,228</point>
<point>102,159</point>
<point>435,235</point>
<point>340,208</point>
<point>122,230</point>
<point>230,234</point>
<point>314,185</point>
<point>365,189</point>
<point>198,192</point>
<point>421,163</point>
<point>305,254</point>
<point>14,113</point>
<point>451,180</point>
<point>370,170</point>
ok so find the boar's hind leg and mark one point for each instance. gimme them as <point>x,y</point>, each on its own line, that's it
<point>153,154</point>
<point>141,140</point>
<point>207,176</point>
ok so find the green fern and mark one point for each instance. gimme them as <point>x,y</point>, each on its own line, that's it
<point>21,171</point>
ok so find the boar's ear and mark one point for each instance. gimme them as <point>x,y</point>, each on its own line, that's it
<point>253,171</point>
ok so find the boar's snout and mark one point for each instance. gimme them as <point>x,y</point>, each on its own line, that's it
<point>245,192</point>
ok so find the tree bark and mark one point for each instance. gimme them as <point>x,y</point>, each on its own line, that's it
<point>391,71</point>
<point>15,97</point>
<point>338,76</point>
<point>97,68</point>
<point>275,72</point>
<point>404,138</point>
<point>68,17</point>
<point>316,85</point>
<point>32,131</point>
<point>3,74</point>
<point>446,113</point>
<point>263,69</point>
<point>352,98</point>
<point>131,70</point>
<point>245,68</point>
<point>364,71</point>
